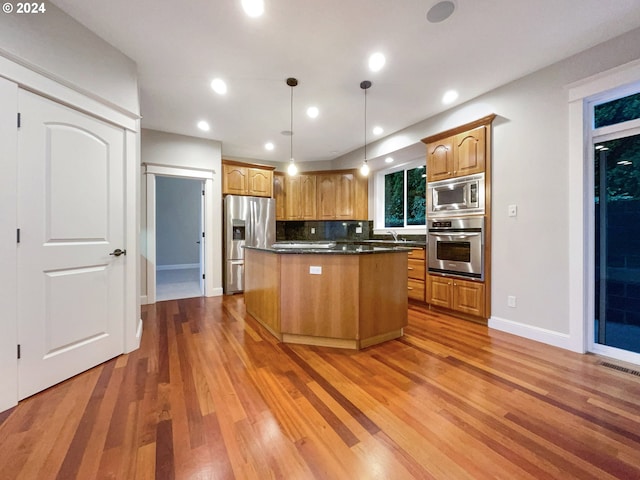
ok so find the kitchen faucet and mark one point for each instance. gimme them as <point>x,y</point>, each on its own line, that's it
<point>394,234</point>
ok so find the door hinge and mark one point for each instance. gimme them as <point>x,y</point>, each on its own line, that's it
<point>202,192</point>
<point>18,235</point>
<point>202,234</point>
<point>203,276</point>
<point>18,351</point>
<point>19,119</point>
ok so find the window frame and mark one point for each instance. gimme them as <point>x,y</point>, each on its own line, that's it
<point>378,204</point>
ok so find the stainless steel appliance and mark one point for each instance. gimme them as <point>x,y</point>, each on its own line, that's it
<point>248,221</point>
<point>456,196</point>
<point>456,246</point>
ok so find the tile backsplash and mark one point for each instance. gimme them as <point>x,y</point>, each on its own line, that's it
<point>333,230</point>
<point>324,230</point>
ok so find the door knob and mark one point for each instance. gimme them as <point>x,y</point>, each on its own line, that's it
<point>117,252</point>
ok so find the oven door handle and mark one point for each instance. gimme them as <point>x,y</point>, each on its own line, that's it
<point>455,235</point>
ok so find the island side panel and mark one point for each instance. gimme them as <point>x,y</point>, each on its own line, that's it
<point>262,288</point>
<point>383,296</point>
<point>320,305</point>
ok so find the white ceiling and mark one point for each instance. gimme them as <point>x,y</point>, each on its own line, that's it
<point>180,46</point>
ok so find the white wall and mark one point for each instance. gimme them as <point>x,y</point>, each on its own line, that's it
<point>168,149</point>
<point>530,169</point>
<point>59,47</point>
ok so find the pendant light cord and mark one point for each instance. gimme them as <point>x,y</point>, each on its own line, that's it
<point>291,137</point>
<point>365,125</point>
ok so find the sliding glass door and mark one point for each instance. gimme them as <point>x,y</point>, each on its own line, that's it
<point>616,155</point>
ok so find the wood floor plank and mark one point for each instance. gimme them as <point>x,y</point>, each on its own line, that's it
<point>212,394</point>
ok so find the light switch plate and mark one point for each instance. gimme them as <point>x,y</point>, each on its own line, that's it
<point>315,270</point>
<point>513,210</point>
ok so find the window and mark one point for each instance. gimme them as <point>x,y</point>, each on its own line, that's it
<point>403,204</point>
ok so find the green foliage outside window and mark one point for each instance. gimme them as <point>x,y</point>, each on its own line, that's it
<point>405,198</point>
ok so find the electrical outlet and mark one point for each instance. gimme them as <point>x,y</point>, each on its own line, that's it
<point>513,210</point>
<point>315,270</point>
<point>313,231</point>
<point>358,229</point>
<point>511,301</point>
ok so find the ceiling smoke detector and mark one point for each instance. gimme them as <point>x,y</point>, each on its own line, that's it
<point>441,11</point>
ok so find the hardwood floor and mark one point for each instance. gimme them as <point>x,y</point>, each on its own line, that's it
<point>211,394</point>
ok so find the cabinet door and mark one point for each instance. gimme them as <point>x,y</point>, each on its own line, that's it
<point>345,196</point>
<point>468,297</point>
<point>260,182</point>
<point>469,152</point>
<point>326,185</point>
<point>439,290</point>
<point>308,197</point>
<point>440,160</point>
<point>234,180</point>
<point>279,195</point>
<point>293,198</point>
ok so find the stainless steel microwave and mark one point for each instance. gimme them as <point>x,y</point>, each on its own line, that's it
<point>456,196</point>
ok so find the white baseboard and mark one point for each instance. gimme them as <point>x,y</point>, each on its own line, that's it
<point>178,266</point>
<point>215,292</point>
<point>537,334</point>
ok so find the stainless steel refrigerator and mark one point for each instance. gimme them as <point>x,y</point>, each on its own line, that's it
<point>248,221</point>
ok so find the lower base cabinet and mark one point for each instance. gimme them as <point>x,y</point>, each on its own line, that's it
<point>455,294</point>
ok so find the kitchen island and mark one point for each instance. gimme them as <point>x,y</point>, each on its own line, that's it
<point>346,296</point>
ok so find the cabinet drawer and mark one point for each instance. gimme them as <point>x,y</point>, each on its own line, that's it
<point>415,289</point>
<point>415,269</point>
<point>417,253</point>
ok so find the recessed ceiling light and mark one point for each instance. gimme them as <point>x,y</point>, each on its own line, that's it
<point>376,62</point>
<point>219,86</point>
<point>388,160</point>
<point>204,126</point>
<point>378,130</point>
<point>313,112</point>
<point>253,8</point>
<point>449,97</point>
<point>440,11</point>
<point>269,146</point>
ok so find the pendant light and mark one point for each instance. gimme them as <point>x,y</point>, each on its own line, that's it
<point>364,169</point>
<point>291,169</point>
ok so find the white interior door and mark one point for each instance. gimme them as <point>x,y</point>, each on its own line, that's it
<point>71,218</point>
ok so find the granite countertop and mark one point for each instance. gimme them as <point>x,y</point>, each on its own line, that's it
<point>389,243</point>
<point>337,249</point>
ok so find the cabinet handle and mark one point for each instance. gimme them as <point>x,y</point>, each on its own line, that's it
<point>409,268</point>
<point>409,288</point>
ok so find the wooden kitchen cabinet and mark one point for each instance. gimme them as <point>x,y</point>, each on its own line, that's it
<point>456,294</point>
<point>416,274</point>
<point>280,195</point>
<point>241,179</point>
<point>440,159</point>
<point>336,196</point>
<point>260,182</point>
<point>457,155</point>
<point>469,152</point>
<point>300,197</point>
<point>234,180</point>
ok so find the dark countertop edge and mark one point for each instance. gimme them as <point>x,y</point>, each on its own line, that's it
<point>332,251</point>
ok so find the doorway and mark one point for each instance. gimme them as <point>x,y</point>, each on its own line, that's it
<point>616,161</point>
<point>179,238</point>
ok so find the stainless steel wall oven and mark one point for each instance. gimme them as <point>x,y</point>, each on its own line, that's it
<point>456,246</point>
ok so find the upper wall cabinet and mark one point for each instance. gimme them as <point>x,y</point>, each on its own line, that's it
<point>239,179</point>
<point>300,197</point>
<point>457,155</point>
<point>327,195</point>
<point>279,195</point>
